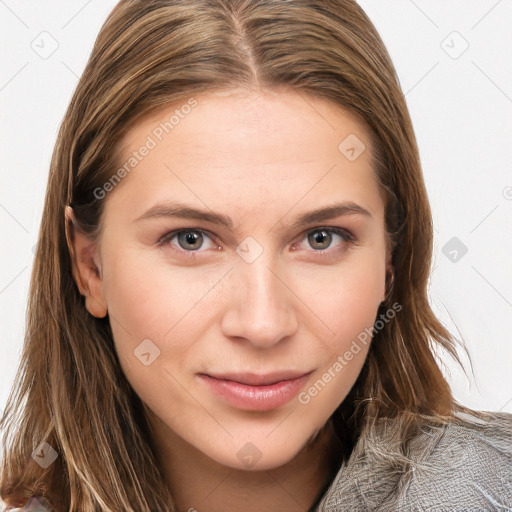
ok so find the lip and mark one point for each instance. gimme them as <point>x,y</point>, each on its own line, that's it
<point>253,392</point>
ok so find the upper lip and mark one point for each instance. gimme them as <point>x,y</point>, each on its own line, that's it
<point>254,379</point>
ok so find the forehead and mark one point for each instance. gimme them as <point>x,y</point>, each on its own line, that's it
<point>246,150</point>
<point>292,121</point>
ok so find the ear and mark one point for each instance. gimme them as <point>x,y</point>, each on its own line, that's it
<point>85,266</point>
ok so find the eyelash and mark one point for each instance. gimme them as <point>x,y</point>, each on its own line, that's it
<point>343,233</point>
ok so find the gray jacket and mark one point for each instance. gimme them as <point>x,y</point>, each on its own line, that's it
<point>458,468</point>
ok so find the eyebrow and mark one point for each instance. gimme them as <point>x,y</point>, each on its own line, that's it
<point>184,211</point>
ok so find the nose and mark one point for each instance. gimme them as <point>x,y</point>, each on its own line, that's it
<point>261,309</point>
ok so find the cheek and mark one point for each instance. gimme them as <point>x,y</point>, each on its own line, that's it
<point>350,307</point>
<point>148,301</point>
<point>347,301</point>
<point>150,297</point>
<point>346,298</point>
<point>136,299</point>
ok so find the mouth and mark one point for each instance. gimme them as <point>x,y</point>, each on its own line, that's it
<point>255,392</point>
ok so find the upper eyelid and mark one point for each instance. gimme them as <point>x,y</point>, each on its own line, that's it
<point>171,234</point>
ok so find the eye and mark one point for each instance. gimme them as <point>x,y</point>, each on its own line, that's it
<point>321,239</point>
<point>187,240</point>
<point>190,241</point>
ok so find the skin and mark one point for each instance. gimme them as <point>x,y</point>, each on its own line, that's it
<point>263,159</point>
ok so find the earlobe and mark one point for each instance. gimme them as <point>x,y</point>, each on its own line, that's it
<point>85,266</point>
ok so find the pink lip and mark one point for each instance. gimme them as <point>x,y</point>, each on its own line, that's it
<point>256,392</point>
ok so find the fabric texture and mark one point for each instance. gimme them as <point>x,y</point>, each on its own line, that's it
<point>463,467</point>
<point>457,468</point>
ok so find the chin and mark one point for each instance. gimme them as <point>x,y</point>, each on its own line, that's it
<point>262,452</point>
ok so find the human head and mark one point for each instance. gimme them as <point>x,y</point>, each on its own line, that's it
<point>152,54</point>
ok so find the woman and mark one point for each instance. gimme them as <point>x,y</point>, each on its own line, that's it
<point>228,307</point>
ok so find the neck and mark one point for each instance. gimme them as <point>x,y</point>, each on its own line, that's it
<point>200,484</point>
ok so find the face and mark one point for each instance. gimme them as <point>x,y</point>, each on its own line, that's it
<point>240,258</point>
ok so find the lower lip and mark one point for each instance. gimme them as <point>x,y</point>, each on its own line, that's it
<point>255,398</point>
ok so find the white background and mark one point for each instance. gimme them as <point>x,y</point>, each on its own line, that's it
<point>461,105</point>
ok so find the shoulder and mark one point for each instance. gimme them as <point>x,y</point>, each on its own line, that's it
<point>463,466</point>
<point>34,504</point>
<point>470,466</point>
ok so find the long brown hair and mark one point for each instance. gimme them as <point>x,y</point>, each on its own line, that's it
<point>70,391</point>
